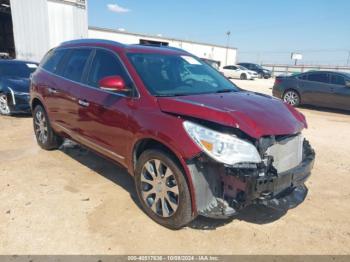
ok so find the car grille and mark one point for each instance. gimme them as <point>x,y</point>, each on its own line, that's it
<point>287,153</point>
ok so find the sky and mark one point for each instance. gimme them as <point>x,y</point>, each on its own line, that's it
<point>264,31</point>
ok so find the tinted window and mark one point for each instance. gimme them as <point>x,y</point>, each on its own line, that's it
<point>52,60</point>
<point>337,80</point>
<point>74,67</point>
<point>318,77</point>
<point>227,67</point>
<point>233,68</point>
<point>15,69</point>
<point>303,77</point>
<point>105,64</point>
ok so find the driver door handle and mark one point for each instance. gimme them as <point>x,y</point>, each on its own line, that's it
<point>52,90</point>
<point>83,103</point>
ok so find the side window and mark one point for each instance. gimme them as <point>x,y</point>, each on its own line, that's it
<point>337,80</point>
<point>318,77</point>
<point>303,77</point>
<point>233,68</point>
<point>226,67</point>
<point>75,64</point>
<point>105,64</point>
<point>52,60</point>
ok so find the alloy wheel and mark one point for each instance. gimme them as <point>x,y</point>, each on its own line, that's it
<point>159,187</point>
<point>4,108</point>
<point>40,125</point>
<point>292,98</point>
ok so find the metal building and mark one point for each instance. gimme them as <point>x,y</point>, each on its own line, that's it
<point>29,28</point>
<point>224,55</point>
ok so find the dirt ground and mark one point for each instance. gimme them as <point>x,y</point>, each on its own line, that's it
<point>71,201</point>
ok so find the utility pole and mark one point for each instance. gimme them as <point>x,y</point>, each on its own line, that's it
<point>228,33</point>
<point>348,61</point>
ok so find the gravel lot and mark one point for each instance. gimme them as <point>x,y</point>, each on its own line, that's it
<point>71,201</point>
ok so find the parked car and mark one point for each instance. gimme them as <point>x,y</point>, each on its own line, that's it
<point>240,72</point>
<point>262,72</point>
<point>318,88</point>
<point>14,86</point>
<point>213,63</point>
<point>194,142</point>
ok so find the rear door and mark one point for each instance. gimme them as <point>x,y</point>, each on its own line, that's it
<point>236,72</point>
<point>340,92</point>
<point>71,74</point>
<point>315,88</point>
<point>103,115</point>
<point>51,85</point>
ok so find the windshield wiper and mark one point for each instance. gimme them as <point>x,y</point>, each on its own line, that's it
<point>225,91</point>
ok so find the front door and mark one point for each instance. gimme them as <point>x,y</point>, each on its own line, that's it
<point>103,115</point>
<point>340,92</point>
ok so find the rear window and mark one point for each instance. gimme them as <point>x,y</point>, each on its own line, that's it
<point>17,69</point>
<point>52,60</point>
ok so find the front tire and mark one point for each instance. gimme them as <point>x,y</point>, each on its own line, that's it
<point>162,189</point>
<point>4,107</point>
<point>292,98</point>
<point>45,136</point>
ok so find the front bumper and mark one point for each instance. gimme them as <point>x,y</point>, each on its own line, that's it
<point>221,191</point>
<point>18,103</point>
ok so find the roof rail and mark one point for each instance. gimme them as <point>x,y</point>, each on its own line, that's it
<point>91,41</point>
<point>162,46</point>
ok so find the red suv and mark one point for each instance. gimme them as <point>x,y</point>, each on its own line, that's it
<point>194,142</point>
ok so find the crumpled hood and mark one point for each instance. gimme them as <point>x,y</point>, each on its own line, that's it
<point>17,84</point>
<point>255,114</point>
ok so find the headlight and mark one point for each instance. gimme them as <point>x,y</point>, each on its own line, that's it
<point>224,148</point>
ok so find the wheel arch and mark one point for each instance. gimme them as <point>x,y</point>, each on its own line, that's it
<point>144,144</point>
<point>292,89</point>
<point>35,102</point>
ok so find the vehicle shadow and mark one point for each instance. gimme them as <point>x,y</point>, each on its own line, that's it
<point>101,166</point>
<point>20,115</point>
<point>257,214</point>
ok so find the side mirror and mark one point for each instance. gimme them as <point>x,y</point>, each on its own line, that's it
<point>113,84</point>
<point>347,83</point>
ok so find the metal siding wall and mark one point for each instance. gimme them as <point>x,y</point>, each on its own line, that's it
<point>198,49</point>
<point>30,27</point>
<point>66,22</point>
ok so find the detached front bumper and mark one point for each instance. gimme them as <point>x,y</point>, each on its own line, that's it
<point>221,191</point>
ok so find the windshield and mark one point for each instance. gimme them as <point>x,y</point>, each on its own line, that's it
<point>176,75</point>
<point>15,69</point>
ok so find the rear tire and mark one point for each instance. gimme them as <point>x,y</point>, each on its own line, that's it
<point>162,189</point>
<point>243,77</point>
<point>291,97</point>
<point>45,136</point>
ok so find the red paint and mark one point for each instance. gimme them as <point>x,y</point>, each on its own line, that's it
<point>112,83</point>
<point>117,123</point>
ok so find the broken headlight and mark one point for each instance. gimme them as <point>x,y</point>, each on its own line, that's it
<point>225,148</point>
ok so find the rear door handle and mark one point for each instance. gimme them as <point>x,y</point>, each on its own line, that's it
<point>83,103</point>
<point>52,90</point>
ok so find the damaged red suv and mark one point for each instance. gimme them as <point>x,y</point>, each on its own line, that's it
<point>194,142</point>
